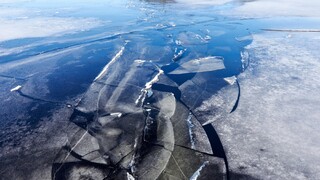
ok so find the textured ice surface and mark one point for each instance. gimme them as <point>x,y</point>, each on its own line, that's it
<point>144,139</point>
<point>26,22</point>
<point>274,133</point>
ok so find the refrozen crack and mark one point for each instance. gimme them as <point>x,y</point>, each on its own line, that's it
<point>12,77</point>
<point>36,99</point>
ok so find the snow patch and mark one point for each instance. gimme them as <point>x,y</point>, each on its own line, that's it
<point>43,27</point>
<point>271,8</point>
<point>274,133</point>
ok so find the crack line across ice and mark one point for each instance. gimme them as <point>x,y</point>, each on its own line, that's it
<point>84,134</point>
<point>175,161</point>
<point>105,69</point>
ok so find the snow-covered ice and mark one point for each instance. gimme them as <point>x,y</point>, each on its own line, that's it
<point>274,133</point>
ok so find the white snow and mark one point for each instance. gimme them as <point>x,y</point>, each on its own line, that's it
<point>274,133</point>
<point>271,8</point>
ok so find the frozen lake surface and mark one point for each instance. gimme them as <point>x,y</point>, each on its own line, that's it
<point>159,89</point>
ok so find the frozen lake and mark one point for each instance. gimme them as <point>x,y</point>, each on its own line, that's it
<point>159,89</point>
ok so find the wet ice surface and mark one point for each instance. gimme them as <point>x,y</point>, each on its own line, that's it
<point>156,90</point>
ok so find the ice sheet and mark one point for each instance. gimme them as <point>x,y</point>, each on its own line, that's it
<point>274,132</point>
<point>76,114</point>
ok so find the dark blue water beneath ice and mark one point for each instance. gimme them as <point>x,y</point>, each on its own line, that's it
<point>155,31</point>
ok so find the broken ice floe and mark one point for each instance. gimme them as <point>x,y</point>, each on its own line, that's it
<point>184,163</point>
<point>218,106</point>
<point>136,137</point>
<point>158,137</point>
<point>188,131</point>
<point>207,64</point>
<point>120,135</point>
